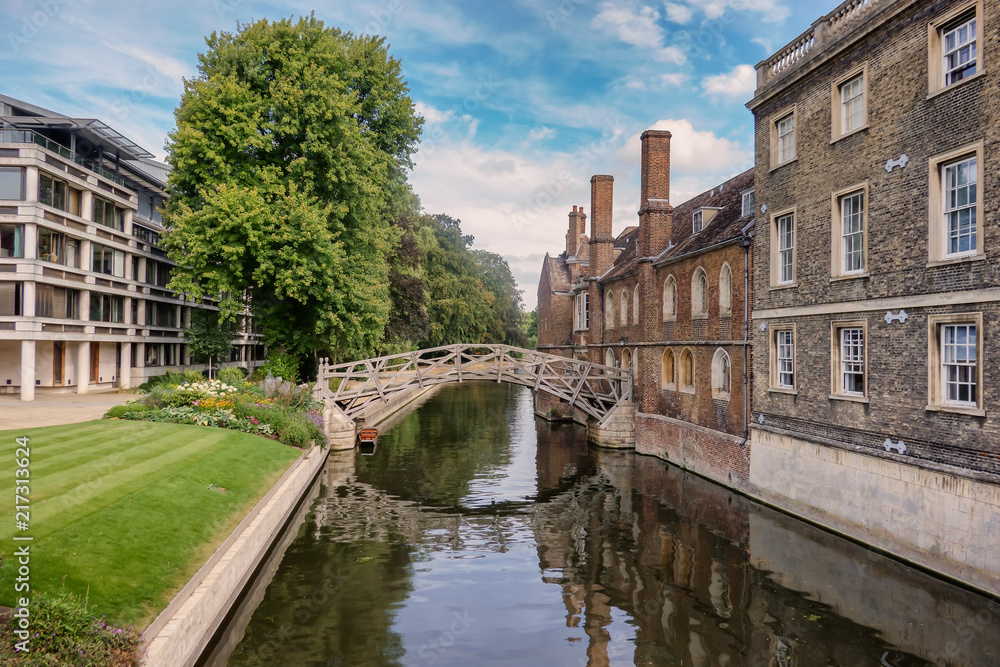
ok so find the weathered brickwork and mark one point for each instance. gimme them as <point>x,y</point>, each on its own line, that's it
<point>892,53</point>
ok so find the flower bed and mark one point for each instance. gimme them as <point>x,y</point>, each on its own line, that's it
<point>271,408</point>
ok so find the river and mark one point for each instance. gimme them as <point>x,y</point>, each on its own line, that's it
<point>478,535</point>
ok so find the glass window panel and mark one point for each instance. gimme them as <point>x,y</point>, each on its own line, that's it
<point>11,240</point>
<point>11,183</point>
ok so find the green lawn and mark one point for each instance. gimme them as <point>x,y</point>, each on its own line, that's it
<point>124,508</point>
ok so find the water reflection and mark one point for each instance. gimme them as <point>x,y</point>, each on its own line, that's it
<point>478,535</point>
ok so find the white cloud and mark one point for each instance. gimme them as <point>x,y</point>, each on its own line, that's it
<point>738,83</point>
<point>431,114</point>
<point>637,26</point>
<point>765,44</point>
<point>772,11</point>
<point>541,133</point>
<point>676,79</point>
<point>678,13</point>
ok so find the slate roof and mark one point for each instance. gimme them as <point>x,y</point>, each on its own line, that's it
<point>727,224</point>
<point>558,272</point>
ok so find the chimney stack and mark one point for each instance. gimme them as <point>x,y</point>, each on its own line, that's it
<point>577,228</point>
<point>602,243</point>
<point>656,213</point>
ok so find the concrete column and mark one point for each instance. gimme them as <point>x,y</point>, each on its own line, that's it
<point>125,374</point>
<point>27,370</point>
<point>128,221</point>
<point>87,205</point>
<point>31,184</point>
<point>86,259</point>
<point>141,278</point>
<point>28,306</point>
<point>128,310</point>
<point>83,366</point>
<point>30,241</point>
<point>85,305</point>
<point>141,314</point>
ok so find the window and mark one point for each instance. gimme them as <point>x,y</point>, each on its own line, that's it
<point>699,293</point>
<point>669,299</point>
<point>51,191</point>
<point>106,214</point>
<point>11,240</point>
<point>635,305</point>
<point>782,138</point>
<point>160,314</point>
<point>850,233</point>
<point>609,358</point>
<point>154,354</point>
<point>58,248</point>
<point>582,311</point>
<point>157,273</point>
<point>956,363</point>
<point>783,249</point>
<point>955,206</point>
<point>106,308</point>
<point>955,43</point>
<point>687,371</point>
<point>624,307</point>
<point>783,358</point>
<point>11,298</point>
<point>849,362</point>
<point>725,291</point>
<point>57,302</point>
<point>667,376</point>
<point>609,311</point>
<point>850,103</point>
<point>107,260</point>
<point>722,371</point>
<point>748,204</point>
<point>12,183</point>
<point>697,222</point>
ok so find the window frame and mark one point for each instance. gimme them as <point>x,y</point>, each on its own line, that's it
<point>775,249</point>
<point>936,400</point>
<point>775,139</point>
<point>937,230</point>
<point>699,294</point>
<point>115,252</point>
<point>774,345</point>
<point>722,383</point>
<point>20,170</point>
<point>837,389</point>
<point>837,120</point>
<point>697,221</point>
<point>672,384</point>
<point>686,353</point>
<point>635,305</point>
<point>16,234</point>
<point>582,311</point>
<point>744,211</point>
<point>725,290</point>
<point>671,283</point>
<point>838,270</point>
<point>936,31</point>
<point>623,306</point>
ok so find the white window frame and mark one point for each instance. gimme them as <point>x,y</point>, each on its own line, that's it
<point>786,138</point>
<point>939,208</point>
<point>953,189</point>
<point>697,221</point>
<point>958,42</point>
<point>782,255</point>
<point>722,375</point>
<point>725,290</point>
<point>849,232</point>
<point>748,199</point>
<point>941,359</point>
<point>583,311</point>
<point>699,294</point>
<point>969,16</point>
<point>782,358</point>
<point>670,299</point>
<point>849,356</point>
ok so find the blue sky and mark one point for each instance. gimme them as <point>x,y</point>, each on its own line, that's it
<point>524,100</point>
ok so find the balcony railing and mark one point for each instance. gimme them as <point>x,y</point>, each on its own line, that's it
<point>31,137</point>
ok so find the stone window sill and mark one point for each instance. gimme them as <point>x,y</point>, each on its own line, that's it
<point>783,390</point>
<point>849,398</point>
<point>849,276</point>
<point>849,134</point>
<point>783,286</point>
<point>785,163</point>
<point>956,260</point>
<point>940,91</point>
<point>957,409</point>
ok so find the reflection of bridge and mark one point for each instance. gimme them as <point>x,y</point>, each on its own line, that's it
<point>354,386</point>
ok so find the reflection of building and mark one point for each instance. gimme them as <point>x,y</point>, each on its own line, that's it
<point>667,299</point>
<point>83,298</point>
<point>876,302</point>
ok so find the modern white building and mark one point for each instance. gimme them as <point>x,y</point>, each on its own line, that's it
<point>83,298</point>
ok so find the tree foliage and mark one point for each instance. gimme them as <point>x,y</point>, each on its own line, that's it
<point>291,145</point>
<point>208,337</point>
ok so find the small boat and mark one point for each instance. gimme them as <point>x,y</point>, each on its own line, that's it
<point>367,441</point>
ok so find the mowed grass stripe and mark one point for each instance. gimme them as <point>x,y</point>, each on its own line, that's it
<point>53,513</point>
<point>135,535</point>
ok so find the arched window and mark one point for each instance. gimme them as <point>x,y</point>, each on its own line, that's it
<point>635,305</point>
<point>624,304</point>
<point>722,374</point>
<point>667,370</point>
<point>609,358</point>
<point>669,299</point>
<point>609,311</point>
<point>687,371</point>
<point>626,359</point>
<point>725,291</point>
<point>699,293</point>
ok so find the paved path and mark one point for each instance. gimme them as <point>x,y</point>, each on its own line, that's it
<point>51,409</point>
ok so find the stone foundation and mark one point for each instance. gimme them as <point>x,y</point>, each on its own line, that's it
<point>553,409</point>
<point>719,456</point>
<point>617,431</point>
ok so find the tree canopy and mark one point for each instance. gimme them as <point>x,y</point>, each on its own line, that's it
<point>291,145</point>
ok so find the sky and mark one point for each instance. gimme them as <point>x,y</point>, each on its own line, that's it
<point>523,100</point>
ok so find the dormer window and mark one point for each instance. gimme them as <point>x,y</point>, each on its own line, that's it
<point>698,222</point>
<point>748,204</point>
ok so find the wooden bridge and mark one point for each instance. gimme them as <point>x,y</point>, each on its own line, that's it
<point>594,389</point>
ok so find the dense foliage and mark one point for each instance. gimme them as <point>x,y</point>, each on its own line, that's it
<point>290,146</point>
<point>63,632</point>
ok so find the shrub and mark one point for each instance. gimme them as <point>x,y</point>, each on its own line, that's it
<point>283,366</point>
<point>66,634</point>
<point>126,411</point>
<point>233,375</point>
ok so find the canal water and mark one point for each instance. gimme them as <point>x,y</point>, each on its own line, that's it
<point>477,535</point>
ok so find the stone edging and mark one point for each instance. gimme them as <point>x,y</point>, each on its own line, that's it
<point>180,633</point>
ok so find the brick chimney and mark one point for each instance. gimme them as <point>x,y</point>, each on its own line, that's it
<point>602,242</point>
<point>655,213</point>
<point>577,228</point>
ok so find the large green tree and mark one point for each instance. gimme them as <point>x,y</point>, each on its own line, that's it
<point>290,152</point>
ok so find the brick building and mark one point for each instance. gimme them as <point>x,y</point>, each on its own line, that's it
<point>877,300</point>
<point>666,298</point>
